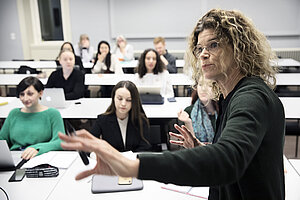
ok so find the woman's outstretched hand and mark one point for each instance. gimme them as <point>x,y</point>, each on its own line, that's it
<point>109,160</point>
<point>186,138</point>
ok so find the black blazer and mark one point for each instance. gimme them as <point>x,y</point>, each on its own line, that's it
<point>108,127</point>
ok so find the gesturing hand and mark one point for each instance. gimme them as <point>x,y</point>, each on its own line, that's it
<point>109,160</point>
<point>186,138</point>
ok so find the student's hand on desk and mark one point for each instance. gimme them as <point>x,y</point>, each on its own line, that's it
<point>186,138</point>
<point>109,160</point>
<point>29,153</point>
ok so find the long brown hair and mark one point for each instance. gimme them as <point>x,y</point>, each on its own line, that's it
<point>136,114</point>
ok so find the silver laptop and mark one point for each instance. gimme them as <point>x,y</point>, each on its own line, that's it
<point>149,89</point>
<point>7,161</point>
<point>54,98</point>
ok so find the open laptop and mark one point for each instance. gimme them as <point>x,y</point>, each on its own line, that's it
<point>7,161</point>
<point>150,94</point>
<point>54,98</point>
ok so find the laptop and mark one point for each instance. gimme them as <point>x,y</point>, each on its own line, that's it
<point>150,94</point>
<point>7,161</point>
<point>54,98</point>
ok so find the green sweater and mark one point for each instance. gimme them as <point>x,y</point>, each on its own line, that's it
<point>38,130</point>
<point>246,161</point>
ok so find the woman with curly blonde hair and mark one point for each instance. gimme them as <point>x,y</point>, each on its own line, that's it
<point>245,159</point>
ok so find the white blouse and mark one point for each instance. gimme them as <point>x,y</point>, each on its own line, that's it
<point>160,79</point>
<point>129,54</point>
<point>123,127</point>
<point>114,66</point>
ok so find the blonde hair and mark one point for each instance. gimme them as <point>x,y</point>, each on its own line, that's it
<point>251,50</point>
<point>158,40</point>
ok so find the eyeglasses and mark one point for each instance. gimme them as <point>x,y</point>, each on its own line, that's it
<point>211,48</point>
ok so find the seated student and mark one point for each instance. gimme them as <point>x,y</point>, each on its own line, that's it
<point>33,128</point>
<point>124,124</point>
<point>123,50</point>
<point>68,78</point>
<point>78,62</point>
<point>200,117</point>
<point>106,63</point>
<point>166,58</point>
<point>151,71</point>
<point>84,50</point>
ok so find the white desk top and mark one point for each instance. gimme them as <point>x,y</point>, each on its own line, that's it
<point>32,64</point>
<point>113,79</point>
<point>65,186</point>
<point>291,107</point>
<point>90,108</point>
<point>288,79</point>
<point>15,79</point>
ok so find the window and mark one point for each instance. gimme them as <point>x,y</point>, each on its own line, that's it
<point>50,20</point>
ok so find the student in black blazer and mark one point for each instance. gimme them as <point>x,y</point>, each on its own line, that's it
<point>124,124</point>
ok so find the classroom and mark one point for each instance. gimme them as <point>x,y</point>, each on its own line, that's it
<point>138,78</point>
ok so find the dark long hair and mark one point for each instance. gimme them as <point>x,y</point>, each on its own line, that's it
<point>27,82</point>
<point>141,68</point>
<point>107,59</point>
<point>137,114</point>
<point>62,46</point>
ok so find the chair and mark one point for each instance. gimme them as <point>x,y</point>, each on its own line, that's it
<point>155,139</point>
<point>292,128</point>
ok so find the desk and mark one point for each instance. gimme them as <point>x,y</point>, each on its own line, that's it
<point>33,64</point>
<point>90,108</point>
<point>65,186</point>
<point>296,164</point>
<point>113,79</point>
<point>288,79</point>
<point>291,107</point>
<point>15,79</point>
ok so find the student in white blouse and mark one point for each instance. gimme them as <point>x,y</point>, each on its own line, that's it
<point>151,71</point>
<point>124,125</point>
<point>106,63</point>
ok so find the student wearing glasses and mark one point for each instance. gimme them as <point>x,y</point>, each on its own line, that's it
<point>245,159</point>
<point>33,128</point>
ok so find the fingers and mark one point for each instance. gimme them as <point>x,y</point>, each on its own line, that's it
<point>84,174</point>
<point>178,136</point>
<point>180,143</point>
<point>29,153</point>
<point>84,133</point>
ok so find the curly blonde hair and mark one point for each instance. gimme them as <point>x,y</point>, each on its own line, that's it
<point>252,52</point>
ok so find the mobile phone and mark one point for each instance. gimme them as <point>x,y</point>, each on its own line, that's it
<point>125,180</point>
<point>18,175</point>
<point>71,131</point>
<point>172,99</point>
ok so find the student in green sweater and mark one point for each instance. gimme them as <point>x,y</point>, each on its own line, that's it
<point>245,159</point>
<point>33,128</point>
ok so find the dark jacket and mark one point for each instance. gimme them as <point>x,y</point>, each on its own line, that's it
<point>108,127</point>
<point>245,162</point>
<point>171,67</point>
<point>73,87</point>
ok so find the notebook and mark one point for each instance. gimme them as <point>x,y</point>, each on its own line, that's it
<point>7,161</point>
<point>54,98</point>
<point>103,184</point>
<point>150,94</point>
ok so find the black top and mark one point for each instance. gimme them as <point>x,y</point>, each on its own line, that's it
<point>108,127</point>
<point>246,159</point>
<point>171,67</point>
<point>73,87</point>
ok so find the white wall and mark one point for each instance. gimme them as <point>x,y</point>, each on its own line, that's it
<point>10,40</point>
<point>142,20</point>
